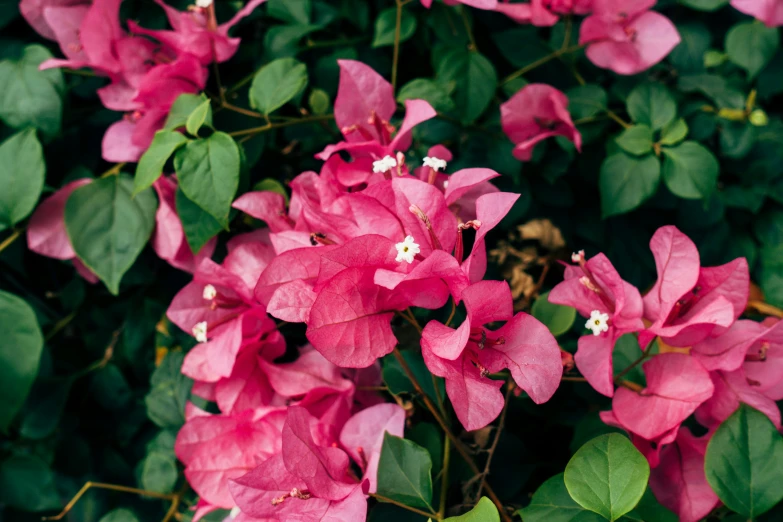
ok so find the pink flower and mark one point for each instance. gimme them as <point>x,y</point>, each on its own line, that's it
<point>731,389</point>
<point>34,11</point>
<point>478,4</point>
<point>768,11</point>
<point>196,32</point>
<point>542,13</point>
<point>676,385</point>
<point>466,356</point>
<point>169,240</point>
<point>626,37</point>
<point>46,232</point>
<point>537,112</point>
<point>593,286</point>
<point>310,479</point>
<point>679,482</point>
<point>689,303</point>
<point>364,105</point>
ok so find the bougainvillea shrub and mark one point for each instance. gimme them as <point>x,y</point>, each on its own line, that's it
<point>348,260</point>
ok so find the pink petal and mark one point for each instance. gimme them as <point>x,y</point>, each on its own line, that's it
<point>246,388</point>
<point>298,264</point>
<point>731,389</point>
<point>464,180</point>
<point>308,372</point>
<point>444,342</point>
<point>350,323</point>
<point>727,351</point>
<point>33,12</point>
<point>361,92</point>
<point>676,385</point>
<point>768,11</point>
<point>267,206</point>
<point>118,146</point>
<point>767,374</point>
<point>362,436</point>
<point>530,352</point>
<point>679,482</point>
<point>490,211</point>
<point>594,360</point>
<point>731,280</point>
<point>65,22</point>
<point>46,233</point>
<point>416,111</point>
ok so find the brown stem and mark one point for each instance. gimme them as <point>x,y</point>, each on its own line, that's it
<point>113,487</point>
<point>240,110</point>
<point>466,22</point>
<point>444,476</point>
<point>271,126</point>
<point>759,306</point>
<point>457,443</point>
<point>404,506</point>
<point>573,379</point>
<point>396,51</point>
<point>491,451</point>
<point>114,170</point>
<point>10,239</point>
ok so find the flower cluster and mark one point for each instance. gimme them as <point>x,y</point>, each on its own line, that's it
<point>707,361</point>
<point>147,69</point>
<point>360,243</point>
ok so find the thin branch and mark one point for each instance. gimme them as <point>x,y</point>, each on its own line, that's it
<point>409,508</point>
<point>645,354</point>
<point>453,311</point>
<point>114,170</point>
<point>765,308</point>
<point>240,110</point>
<point>396,51</point>
<point>112,487</point>
<point>272,126</point>
<point>59,325</point>
<point>573,379</point>
<point>10,239</point>
<point>466,22</point>
<point>457,443</point>
<point>444,476</point>
<point>491,451</point>
<point>541,61</point>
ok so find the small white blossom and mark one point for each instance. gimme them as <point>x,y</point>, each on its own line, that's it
<point>578,257</point>
<point>234,512</point>
<point>384,165</point>
<point>209,292</point>
<point>598,322</point>
<point>203,3</point>
<point>446,184</point>
<point>200,331</point>
<point>435,164</point>
<point>407,250</point>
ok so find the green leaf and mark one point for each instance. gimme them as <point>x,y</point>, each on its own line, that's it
<point>651,104</point>
<point>183,107</point>
<point>290,11</point>
<point>484,511</point>
<point>751,45</point>
<point>208,173</point>
<point>688,56</point>
<point>690,170</point>
<point>28,96</point>
<point>705,5</point>
<point>271,185</point>
<point>423,89</point>
<point>404,473</point>
<point>44,407</point>
<point>556,317</point>
<point>552,503</point>
<point>607,475</point>
<point>742,462</point>
<point>169,393</point>
<point>674,132</point>
<point>397,381</point>
<point>108,228</point>
<point>626,182</point>
<point>319,101</point>
<point>110,389</point>
<point>386,26</point>
<point>151,164</point>
<point>27,484</point>
<point>20,354</point>
<point>586,101</point>
<point>159,472</point>
<point>198,225</point>
<point>22,172</point>
<point>771,277</point>
<point>198,117</point>
<point>626,350</point>
<point>652,511</point>
<point>475,78</point>
<point>637,140</point>
<point>119,515</point>
<point>277,83</point>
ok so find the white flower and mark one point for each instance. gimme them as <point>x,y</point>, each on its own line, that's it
<point>384,165</point>
<point>200,331</point>
<point>435,164</point>
<point>209,292</point>
<point>203,3</point>
<point>598,322</point>
<point>407,250</point>
<point>578,257</point>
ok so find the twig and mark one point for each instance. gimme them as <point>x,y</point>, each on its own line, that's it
<point>759,306</point>
<point>573,379</point>
<point>405,314</point>
<point>114,170</point>
<point>271,126</point>
<point>541,61</point>
<point>645,354</point>
<point>491,451</point>
<point>240,110</point>
<point>404,506</point>
<point>464,13</point>
<point>10,239</point>
<point>457,443</point>
<point>453,311</point>
<point>396,51</point>
<point>567,36</point>
<point>59,325</point>
<point>113,487</point>
<point>444,476</point>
